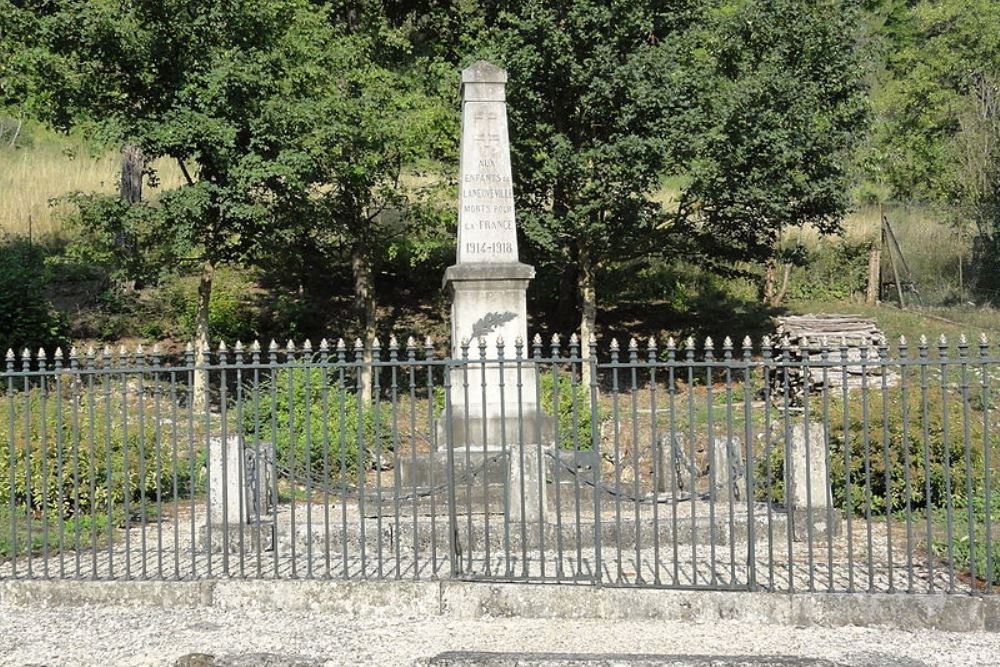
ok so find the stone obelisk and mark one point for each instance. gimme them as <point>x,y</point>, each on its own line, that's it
<point>487,285</point>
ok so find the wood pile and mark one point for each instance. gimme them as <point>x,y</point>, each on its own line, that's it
<point>806,335</point>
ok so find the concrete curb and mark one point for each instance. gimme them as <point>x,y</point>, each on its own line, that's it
<point>467,600</point>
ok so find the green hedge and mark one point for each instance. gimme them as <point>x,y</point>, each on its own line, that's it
<point>297,398</point>
<point>933,479</point>
<point>59,488</point>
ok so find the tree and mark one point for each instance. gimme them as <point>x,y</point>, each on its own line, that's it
<point>930,86</point>
<point>369,207</point>
<point>236,93</point>
<point>787,110</point>
<point>938,135</point>
<point>601,102</point>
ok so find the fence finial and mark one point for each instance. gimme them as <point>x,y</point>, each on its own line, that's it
<point>614,344</point>
<point>943,341</point>
<point>393,343</point>
<point>273,347</point>
<point>324,345</point>
<point>671,343</point>
<point>962,340</point>
<point>709,344</point>
<point>499,342</point>
<point>428,342</point>
<point>689,343</point>
<point>290,345</point>
<point>222,347</point>
<point>727,343</point>
<point>923,340</point>
<point>537,340</point>
<point>410,342</point>
<point>358,345</point>
<point>633,344</point>
<point>341,345</point>
<point>902,340</point>
<point>10,354</point>
<point>984,339</point>
<point>574,340</point>
<point>747,343</point>
<point>307,346</point>
<point>651,345</point>
<point>376,344</point>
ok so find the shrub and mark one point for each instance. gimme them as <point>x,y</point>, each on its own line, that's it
<point>568,402</point>
<point>933,478</point>
<point>296,398</point>
<point>26,317</point>
<point>71,477</point>
<point>969,553</point>
<point>231,312</point>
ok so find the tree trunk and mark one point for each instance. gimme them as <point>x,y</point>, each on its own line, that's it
<point>588,303</point>
<point>768,287</point>
<point>201,335</point>
<point>364,302</point>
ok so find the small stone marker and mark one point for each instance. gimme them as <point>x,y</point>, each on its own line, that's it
<point>807,484</point>
<point>227,501</point>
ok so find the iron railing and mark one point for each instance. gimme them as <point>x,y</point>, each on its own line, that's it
<point>798,466</point>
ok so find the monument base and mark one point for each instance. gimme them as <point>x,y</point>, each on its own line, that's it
<point>237,538</point>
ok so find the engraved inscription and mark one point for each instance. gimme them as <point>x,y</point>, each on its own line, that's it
<point>486,213</point>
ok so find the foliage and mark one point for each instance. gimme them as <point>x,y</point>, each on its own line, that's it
<point>232,315</point>
<point>571,408</point>
<point>868,472</point>
<point>838,271</point>
<point>73,475</point>
<point>128,242</point>
<point>316,423</point>
<point>27,319</point>
<point>603,99</point>
<point>786,110</point>
<point>928,86</point>
<point>970,552</point>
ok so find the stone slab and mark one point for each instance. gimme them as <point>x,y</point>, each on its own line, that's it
<point>467,600</point>
<point>538,659</point>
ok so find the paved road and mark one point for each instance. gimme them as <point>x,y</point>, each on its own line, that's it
<point>143,636</point>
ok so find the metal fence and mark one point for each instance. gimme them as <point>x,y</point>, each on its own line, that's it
<point>798,466</point>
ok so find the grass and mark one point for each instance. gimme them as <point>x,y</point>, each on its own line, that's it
<point>44,166</point>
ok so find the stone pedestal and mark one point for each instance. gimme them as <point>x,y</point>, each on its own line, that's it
<point>807,484</point>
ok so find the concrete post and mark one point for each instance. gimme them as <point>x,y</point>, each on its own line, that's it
<point>807,484</point>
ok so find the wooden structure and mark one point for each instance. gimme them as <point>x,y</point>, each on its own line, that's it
<point>807,335</point>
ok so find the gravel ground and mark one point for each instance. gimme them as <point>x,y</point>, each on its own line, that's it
<point>142,636</point>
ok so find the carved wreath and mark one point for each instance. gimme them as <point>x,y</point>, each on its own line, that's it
<point>489,322</point>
